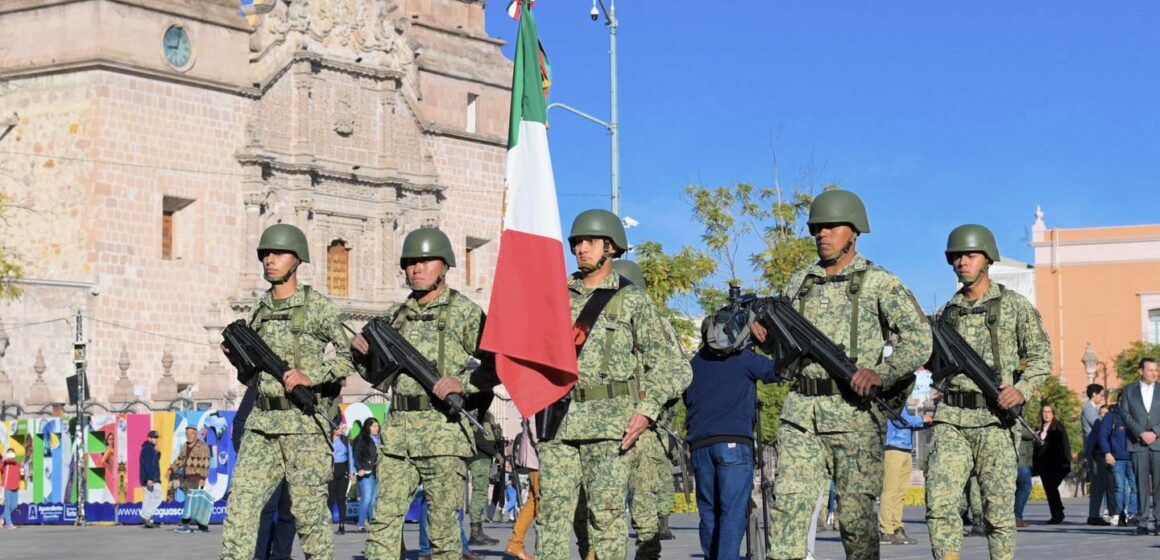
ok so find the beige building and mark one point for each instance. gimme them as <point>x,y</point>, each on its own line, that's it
<point>153,141</point>
<point>1098,290</point>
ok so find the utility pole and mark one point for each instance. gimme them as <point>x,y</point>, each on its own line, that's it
<point>80,464</point>
<point>614,122</point>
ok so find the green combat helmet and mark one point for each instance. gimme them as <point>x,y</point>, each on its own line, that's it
<point>600,223</point>
<point>972,238</point>
<point>629,270</point>
<point>284,237</point>
<point>426,243</point>
<point>839,207</point>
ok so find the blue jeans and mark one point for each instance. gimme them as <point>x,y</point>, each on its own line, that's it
<point>724,474</point>
<point>368,494</point>
<point>1126,494</point>
<point>425,541</point>
<point>1022,490</point>
<point>11,497</point>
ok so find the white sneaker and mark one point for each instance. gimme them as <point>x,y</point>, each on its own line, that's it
<point>1114,520</point>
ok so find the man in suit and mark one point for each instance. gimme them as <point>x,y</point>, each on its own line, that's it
<point>1141,407</point>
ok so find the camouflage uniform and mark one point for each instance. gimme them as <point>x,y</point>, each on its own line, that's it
<point>971,441</point>
<point>423,446</point>
<point>651,479</point>
<point>629,337</point>
<point>281,442</point>
<point>825,437</point>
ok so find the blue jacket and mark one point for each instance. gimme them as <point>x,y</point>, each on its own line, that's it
<point>901,436</point>
<point>1113,436</point>
<point>720,400</point>
<point>150,463</point>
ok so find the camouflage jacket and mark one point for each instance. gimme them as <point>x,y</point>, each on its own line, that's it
<point>320,350</point>
<point>886,306</point>
<point>629,340</point>
<point>1023,346</point>
<point>459,321</point>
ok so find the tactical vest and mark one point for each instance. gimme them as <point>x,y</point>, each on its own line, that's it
<point>853,290</point>
<point>296,316</point>
<point>440,325</point>
<point>993,308</point>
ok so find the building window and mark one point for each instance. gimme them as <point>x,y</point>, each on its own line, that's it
<point>171,207</point>
<point>338,269</point>
<point>1154,326</point>
<point>471,103</point>
<point>470,255</point>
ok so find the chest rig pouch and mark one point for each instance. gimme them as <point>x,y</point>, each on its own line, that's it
<point>993,309</point>
<point>853,282</point>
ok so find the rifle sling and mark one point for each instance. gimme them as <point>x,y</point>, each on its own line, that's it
<point>591,312</point>
<point>993,309</point>
<point>853,290</point>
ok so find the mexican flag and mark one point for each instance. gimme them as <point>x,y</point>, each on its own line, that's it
<point>529,323</point>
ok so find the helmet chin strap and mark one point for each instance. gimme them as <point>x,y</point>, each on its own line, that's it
<point>845,250</point>
<point>279,280</point>
<point>968,282</point>
<point>589,269</point>
<point>424,290</point>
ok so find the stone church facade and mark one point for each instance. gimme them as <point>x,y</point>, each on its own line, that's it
<point>151,141</point>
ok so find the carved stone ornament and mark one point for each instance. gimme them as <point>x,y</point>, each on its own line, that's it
<point>344,119</point>
<point>369,32</point>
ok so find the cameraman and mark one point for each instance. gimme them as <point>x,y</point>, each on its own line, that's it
<point>720,427</point>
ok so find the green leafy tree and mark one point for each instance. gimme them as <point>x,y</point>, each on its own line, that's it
<point>1128,361</point>
<point>671,276</point>
<point>10,269</point>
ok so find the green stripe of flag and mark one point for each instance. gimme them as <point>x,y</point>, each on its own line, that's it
<point>528,103</point>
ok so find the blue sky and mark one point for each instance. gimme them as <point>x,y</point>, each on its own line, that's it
<point>936,113</point>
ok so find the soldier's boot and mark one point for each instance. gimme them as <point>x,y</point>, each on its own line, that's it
<point>591,554</point>
<point>664,533</point>
<point>949,555</point>
<point>900,537</point>
<point>479,538</point>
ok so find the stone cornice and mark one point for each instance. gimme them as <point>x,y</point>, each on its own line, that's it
<point>223,13</point>
<point>346,67</point>
<point>140,71</point>
<point>458,33</point>
<point>426,66</point>
<point>336,170</point>
<point>441,130</point>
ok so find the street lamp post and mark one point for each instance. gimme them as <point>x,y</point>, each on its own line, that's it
<point>613,124</point>
<point>1090,360</point>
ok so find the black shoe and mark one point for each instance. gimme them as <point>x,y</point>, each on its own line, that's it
<point>1055,520</point>
<point>203,528</point>
<point>665,533</point>
<point>1097,521</point>
<point>1133,521</point>
<point>341,530</point>
<point>1141,531</point>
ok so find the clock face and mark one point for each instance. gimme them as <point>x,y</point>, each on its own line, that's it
<point>177,48</point>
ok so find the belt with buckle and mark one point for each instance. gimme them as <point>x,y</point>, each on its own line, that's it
<point>604,392</point>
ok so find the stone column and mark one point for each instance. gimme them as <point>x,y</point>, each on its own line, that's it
<point>123,388</point>
<point>39,394</point>
<point>167,385</point>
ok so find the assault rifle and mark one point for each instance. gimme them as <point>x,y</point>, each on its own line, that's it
<point>953,355</point>
<point>395,353</point>
<point>793,337</point>
<point>251,355</point>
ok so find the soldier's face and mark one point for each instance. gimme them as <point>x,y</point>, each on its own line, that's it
<point>422,274</point>
<point>588,251</point>
<point>277,264</point>
<point>830,239</point>
<point>968,266</point>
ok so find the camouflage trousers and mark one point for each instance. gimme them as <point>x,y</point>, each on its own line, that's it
<point>955,454</point>
<point>305,461</point>
<point>480,470</point>
<point>806,463</point>
<point>601,471</point>
<point>651,478</point>
<point>971,502</point>
<point>442,478</point>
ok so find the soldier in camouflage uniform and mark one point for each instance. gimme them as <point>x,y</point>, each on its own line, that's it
<point>650,472</point>
<point>420,444</point>
<point>969,439</point>
<point>630,367</point>
<point>480,466</point>
<point>827,434</point>
<point>280,441</point>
